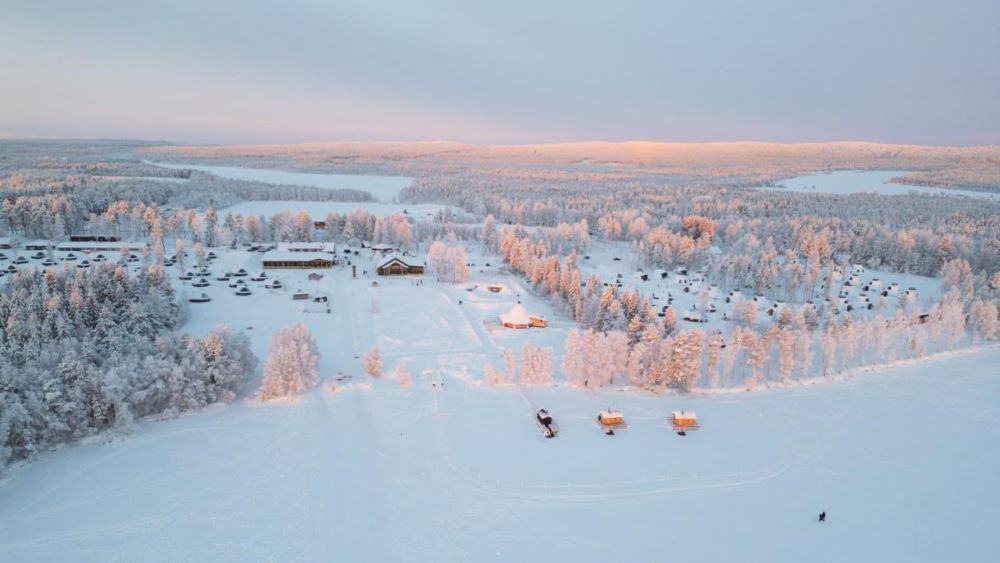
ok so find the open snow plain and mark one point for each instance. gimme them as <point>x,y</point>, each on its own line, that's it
<point>368,470</point>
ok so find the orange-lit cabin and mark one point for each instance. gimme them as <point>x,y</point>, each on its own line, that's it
<point>684,420</point>
<point>610,418</point>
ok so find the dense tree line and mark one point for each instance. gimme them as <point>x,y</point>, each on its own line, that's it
<point>86,350</point>
<point>49,207</point>
<point>624,342</point>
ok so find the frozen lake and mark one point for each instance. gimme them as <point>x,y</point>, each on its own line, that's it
<point>319,209</point>
<point>871,181</point>
<point>385,188</point>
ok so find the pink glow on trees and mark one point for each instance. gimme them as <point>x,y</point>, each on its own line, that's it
<point>292,358</point>
<point>373,362</point>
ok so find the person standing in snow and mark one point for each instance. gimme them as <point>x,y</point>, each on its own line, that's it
<point>822,516</point>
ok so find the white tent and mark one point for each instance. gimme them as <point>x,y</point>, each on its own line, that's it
<point>517,317</point>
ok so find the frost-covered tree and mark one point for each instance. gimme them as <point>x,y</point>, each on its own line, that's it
<point>493,376</point>
<point>292,359</point>
<point>536,365</point>
<point>573,364</point>
<point>401,375</point>
<point>449,262</point>
<point>373,362</point>
<point>786,353</point>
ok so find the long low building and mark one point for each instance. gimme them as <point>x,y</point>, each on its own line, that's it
<point>100,246</point>
<point>297,260</point>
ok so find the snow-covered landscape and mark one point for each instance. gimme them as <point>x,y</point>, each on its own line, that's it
<point>410,431</point>
<point>900,459</point>
<point>517,281</point>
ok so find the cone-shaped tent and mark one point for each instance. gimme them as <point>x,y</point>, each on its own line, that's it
<point>517,317</point>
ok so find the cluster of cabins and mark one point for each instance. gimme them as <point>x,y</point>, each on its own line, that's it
<point>855,292</point>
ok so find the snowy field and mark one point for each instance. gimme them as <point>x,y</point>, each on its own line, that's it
<point>383,473</point>
<point>857,181</point>
<point>385,188</point>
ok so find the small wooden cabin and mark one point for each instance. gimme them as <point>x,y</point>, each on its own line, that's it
<point>610,417</point>
<point>684,421</point>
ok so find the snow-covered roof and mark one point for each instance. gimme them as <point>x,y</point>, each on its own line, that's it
<point>294,256</point>
<point>307,246</point>
<point>394,258</point>
<point>684,414</point>
<point>517,315</point>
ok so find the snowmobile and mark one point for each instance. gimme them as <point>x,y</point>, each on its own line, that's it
<point>546,424</point>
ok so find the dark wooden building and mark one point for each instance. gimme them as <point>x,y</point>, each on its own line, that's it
<point>395,266</point>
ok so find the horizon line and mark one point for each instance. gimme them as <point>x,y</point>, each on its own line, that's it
<point>194,144</point>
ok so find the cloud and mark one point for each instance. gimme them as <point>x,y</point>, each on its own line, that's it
<point>518,71</point>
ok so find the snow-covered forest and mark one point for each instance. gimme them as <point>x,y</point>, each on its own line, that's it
<point>715,284</point>
<point>547,280</point>
<point>86,350</point>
